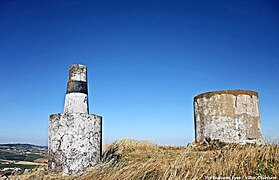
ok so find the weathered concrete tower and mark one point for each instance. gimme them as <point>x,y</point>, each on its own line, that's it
<point>75,137</point>
<point>231,116</point>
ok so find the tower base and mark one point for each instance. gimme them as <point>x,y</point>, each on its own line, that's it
<point>75,142</point>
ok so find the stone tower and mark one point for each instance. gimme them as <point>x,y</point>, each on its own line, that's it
<point>75,137</point>
<point>231,116</point>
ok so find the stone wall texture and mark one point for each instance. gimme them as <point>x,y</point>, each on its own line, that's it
<point>75,137</point>
<point>231,116</point>
<point>74,142</point>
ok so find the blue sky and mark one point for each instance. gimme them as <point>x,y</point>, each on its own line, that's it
<point>146,61</point>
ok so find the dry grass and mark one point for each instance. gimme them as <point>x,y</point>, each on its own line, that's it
<point>41,160</point>
<point>129,159</point>
<point>31,163</point>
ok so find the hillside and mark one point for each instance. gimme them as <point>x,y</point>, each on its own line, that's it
<point>21,152</point>
<point>129,159</point>
<point>15,158</point>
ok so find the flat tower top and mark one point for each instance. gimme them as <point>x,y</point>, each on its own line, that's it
<point>232,92</point>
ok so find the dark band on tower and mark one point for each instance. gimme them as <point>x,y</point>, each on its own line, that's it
<point>77,87</point>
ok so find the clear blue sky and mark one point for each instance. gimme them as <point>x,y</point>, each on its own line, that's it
<point>146,61</point>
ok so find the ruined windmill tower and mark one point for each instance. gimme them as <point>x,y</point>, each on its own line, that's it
<point>231,116</point>
<point>75,137</point>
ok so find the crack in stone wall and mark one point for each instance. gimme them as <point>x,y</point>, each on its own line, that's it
<point>74,142</point>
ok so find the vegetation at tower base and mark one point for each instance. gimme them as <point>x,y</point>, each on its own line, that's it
<point>130,159</point>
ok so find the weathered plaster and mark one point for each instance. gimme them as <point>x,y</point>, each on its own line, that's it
<point>77,72</point>
<point>230,116</point>
<point>74,142</point>
<point>76,103</point>
<point>75,137</point>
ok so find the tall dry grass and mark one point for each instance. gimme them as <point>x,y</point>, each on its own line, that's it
<point>130,159</point>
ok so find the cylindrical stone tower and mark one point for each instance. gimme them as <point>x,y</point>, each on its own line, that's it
<point>76,95</point>
<point>231,116</point>
<point>75,137</point>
